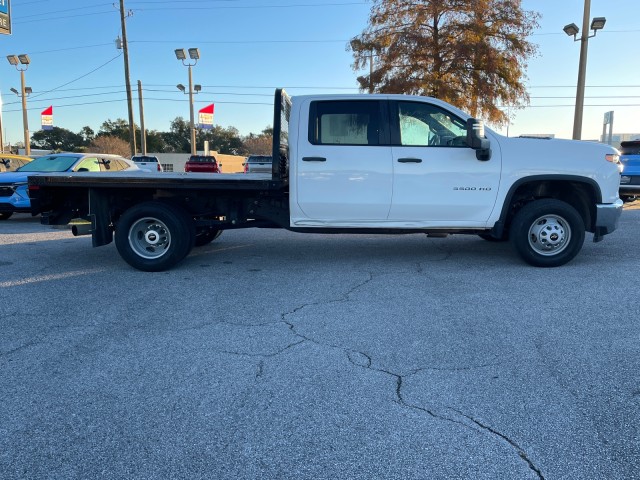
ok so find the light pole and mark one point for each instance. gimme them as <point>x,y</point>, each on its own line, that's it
<point>194,54</point>
<point>572,30</point>
<point>17,60</point>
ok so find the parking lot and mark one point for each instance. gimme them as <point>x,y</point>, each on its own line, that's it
<point>274,355</point>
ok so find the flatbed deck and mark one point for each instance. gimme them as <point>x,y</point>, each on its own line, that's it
<point>160,180</point>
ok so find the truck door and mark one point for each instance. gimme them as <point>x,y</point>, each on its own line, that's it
<point>437,177</point>
<point>344,169</point>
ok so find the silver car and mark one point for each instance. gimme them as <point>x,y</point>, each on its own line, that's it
<point>258,164</point>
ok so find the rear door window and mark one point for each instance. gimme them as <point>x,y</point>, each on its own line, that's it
<point>352,122</point>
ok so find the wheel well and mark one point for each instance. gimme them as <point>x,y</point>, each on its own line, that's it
<point>580,195</point>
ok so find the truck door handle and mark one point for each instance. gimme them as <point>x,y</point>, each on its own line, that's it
<point>314,159</point>
<point>410,160</point>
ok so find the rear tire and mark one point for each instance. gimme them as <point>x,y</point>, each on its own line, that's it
<point>5,215</point>
<point>154,236</point>
<point>547,233</point>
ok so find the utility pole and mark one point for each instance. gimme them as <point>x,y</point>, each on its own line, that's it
<point>582,72</point>
<point>143,133</point>
<point>125,48</point>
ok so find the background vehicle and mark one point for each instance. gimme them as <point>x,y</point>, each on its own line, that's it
<point>148,163</point>
<point>360,164</point>
<point>202,164</point>
<point>258,164</point>
<point>630,176</point>
<point>13,185</point>
<point>10,163</point>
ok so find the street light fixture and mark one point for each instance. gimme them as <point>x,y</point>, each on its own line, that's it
<point>597,24</point>
<point>572,30</point>
<point>194,54</point>
<point>16,60</point>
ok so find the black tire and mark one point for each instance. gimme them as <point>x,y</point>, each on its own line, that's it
<point>5,215</point>
<point>206,236</point>
<point>547,233</point>
<point>154,236</point>
<point>629,198</point>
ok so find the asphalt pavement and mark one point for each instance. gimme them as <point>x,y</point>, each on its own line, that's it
<point>274,355</point>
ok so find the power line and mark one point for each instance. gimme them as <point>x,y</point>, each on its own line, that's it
<point>78,78</point>
<point>47,15</point>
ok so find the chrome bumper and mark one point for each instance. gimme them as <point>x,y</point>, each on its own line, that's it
<point>608,216</point>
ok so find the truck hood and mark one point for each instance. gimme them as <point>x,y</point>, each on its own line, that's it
<point>559,146</point>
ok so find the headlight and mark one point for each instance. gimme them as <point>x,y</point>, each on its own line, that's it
<point>615,159</point>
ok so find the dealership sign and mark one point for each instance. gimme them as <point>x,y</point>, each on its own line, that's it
<point>5,17</point>
<point>47,118</point>
<point>205,117</point>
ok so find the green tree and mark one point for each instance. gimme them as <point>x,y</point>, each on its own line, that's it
<point>178,139</point>
<point>223,140</point>
<point>471,53</point>
<point>156,142</point>
<point>57,139</point>
<point>87,135</point>
<point>115,128</point>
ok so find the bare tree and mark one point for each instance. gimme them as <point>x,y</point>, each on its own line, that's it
<point>109,144</point>
<point>471,53</point>
<point>259,144</point>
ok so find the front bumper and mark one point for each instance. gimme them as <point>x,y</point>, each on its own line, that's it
<point>608,216</point>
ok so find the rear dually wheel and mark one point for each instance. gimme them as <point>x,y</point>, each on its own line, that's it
<point>154,236</point>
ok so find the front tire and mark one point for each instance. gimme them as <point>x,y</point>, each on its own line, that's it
<point>547,233</point>
<point>154,236</point>
<point>5,215</point>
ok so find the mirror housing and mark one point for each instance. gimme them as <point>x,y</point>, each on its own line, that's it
<point>476,139</point>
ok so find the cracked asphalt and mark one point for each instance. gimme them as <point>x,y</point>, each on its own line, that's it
<point>274,355</point>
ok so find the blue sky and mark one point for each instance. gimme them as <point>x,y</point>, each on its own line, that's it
<point>249,47</point>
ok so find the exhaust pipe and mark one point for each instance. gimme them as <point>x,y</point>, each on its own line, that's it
<point>81,229</point>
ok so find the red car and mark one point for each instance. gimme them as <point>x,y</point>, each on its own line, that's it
<point>202,164</point>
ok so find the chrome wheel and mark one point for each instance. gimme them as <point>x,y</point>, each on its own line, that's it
<point>149,238</point>
<point>549,235</point>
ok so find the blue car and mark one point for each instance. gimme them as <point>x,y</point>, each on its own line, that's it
<point>14,195</point>
<point>630,176</point>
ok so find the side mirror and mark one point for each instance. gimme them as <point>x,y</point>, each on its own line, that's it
<point>477,140</point>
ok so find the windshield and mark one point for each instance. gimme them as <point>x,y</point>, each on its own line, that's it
<point>144,159</point>
<point>202,159</point>
<point>50,163</point>
<point>630,148</point>
<point>259,159</point>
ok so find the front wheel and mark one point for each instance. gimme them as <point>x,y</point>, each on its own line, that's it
<point>154,236</point>
<point>5,215</point>
<point>547,233</point>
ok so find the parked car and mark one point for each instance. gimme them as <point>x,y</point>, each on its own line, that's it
<point>630,176</point>
<point>258,164</point>
<point>10,163</point>
<point>13,185</point>
<point>202,164</point>
<point>149,163</point>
